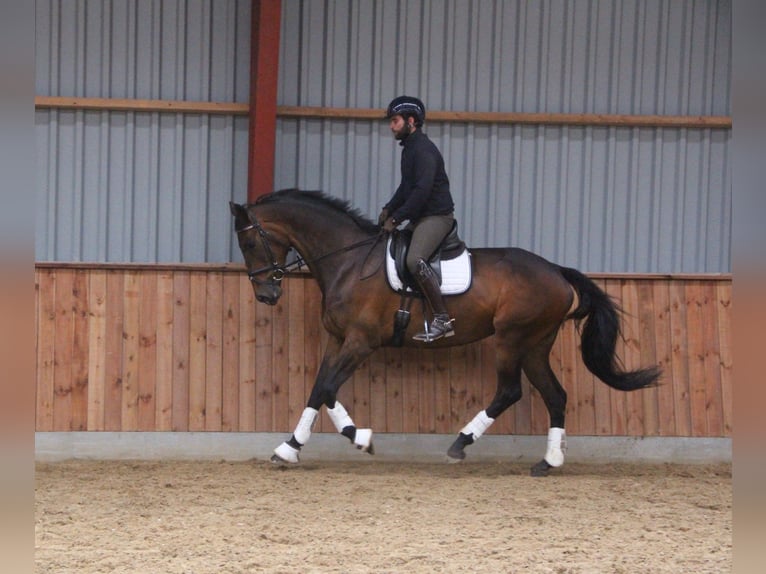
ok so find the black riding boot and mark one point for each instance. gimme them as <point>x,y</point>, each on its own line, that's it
<point>441,326</point>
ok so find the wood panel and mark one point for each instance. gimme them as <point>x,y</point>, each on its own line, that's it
<point>130,344</point>
<point>46,362</point>
<point>723,306</point>
<point>695,319</point>
<point>230,354</point>
<point>213,352</point>
<point>181,335</point>
<point>175,349</point>
<point>115,319</point>
<point>147,352</point>
<point>197,349</point>
<point>265,387</point>
<point>664,342</point>
<point>247,357</point>
<point>63,352</point>
<point>164,366</point>
<point>678,374</point>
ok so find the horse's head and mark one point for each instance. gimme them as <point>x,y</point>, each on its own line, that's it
<point>263,252</point>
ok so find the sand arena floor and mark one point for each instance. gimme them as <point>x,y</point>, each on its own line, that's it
<point>365,517</point>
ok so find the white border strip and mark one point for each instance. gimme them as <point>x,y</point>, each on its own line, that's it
<point>394,447</point>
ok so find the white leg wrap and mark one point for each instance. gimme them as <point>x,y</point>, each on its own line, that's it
<point>303,430</point>
<point>557,446</point>
<point>477,427</point>
<point>286,453</point>
<point>339,417</point>
<point>363,438</point>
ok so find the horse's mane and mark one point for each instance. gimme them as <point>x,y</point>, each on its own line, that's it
<point>314,197</point>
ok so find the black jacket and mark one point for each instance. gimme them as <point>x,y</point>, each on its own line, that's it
<point>424,189</point>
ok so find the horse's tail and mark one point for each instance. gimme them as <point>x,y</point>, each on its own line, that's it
<point>599,335</point>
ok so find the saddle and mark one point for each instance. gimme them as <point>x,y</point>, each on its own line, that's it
<point>451,262</point>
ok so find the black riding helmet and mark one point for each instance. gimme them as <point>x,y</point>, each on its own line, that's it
<point>406,106</point>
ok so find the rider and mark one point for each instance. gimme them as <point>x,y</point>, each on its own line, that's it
<point>423,197</point>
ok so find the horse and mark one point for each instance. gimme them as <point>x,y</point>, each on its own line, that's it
<point>517,296</point>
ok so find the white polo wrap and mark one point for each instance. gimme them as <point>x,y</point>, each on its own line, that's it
<point>363,439</point>
<point>478,426</point>
<point>287,453</point>
<point>557,446</point>
<point>339,416</point>
<point>303,430</point>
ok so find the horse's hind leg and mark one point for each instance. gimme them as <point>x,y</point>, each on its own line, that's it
<point>537,367</point>
<point>508,392</point>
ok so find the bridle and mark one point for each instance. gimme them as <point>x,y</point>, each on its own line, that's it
<point>278,271</point>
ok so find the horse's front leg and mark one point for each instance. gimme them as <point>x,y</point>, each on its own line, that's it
<point>341,359</point>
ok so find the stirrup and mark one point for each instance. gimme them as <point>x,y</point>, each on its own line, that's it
<point>439,328</point>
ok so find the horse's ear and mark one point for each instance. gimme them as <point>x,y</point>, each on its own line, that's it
<point>235,208</point>
<point>241,217</point>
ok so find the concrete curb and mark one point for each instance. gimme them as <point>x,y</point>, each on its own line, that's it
<point>394,447</point>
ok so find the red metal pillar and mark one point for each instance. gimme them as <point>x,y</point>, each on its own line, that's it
<point>264,73</point>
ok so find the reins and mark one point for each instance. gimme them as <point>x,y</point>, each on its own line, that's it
<point>278,271</point>
<point>378,237</point>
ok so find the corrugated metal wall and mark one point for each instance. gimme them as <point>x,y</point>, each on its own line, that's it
<point>117,186</point>
<point>601,199</point>
<point>626,56</point>
<point>139,186</point>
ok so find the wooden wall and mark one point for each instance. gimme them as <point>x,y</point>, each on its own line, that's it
<point>187,348</point>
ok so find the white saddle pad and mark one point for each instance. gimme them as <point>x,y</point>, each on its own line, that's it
<point>456,273</point>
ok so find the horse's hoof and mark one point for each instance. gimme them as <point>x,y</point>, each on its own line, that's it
<point>540,469</point>
<point>454,456</point>
<point>277,459</point>
<point>369,449</point>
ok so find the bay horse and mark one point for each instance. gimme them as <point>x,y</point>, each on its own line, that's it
<point>519,297</point>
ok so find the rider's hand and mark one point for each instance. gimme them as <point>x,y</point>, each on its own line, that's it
<point>389,225</point>
<point>383,216</point>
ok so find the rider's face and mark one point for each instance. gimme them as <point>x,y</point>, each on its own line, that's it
<point>400,127</point>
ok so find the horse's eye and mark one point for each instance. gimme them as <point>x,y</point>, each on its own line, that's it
<point>249,244</point>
